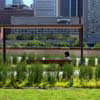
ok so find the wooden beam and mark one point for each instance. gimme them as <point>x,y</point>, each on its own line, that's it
<point>41,26</point>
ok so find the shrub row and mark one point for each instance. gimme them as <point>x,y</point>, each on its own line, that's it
<point>42,76</point>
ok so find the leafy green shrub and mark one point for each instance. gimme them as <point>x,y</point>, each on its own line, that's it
<point>35,74</point>
<point>21,70</point>
<point>97,73</point>
<point>62,84</point>
<point>97,45</point>
<point>86,73</point>
<point>52,67</point>
<point>14,59</point>
<point>91,61</point>
<point>4,70</point>
<point>68,71</point>
<point>51,77</point>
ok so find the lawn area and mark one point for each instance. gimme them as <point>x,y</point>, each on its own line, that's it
<point>65,94</point>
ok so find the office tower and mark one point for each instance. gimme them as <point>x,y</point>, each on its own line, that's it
<point>2,4</point>
<point>18,2</point>
<point>93,16</point>
<point>45,7</point>
<point>64,8</point>
<point>69,8</point>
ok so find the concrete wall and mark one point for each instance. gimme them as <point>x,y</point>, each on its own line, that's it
<point>75,52</point>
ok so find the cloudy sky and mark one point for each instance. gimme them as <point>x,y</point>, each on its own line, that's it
<point>27,2</point>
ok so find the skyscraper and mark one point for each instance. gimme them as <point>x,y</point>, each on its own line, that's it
<point>18,2</point>
<point>2,4</point>
<point>69,8</point>
<point>93,16</point>
<point>45,7</point>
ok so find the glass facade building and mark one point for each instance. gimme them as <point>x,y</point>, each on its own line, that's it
<point>18,2</point>
<point>64,7</point>
<point>73,8</point>
<point>2,4</point>
<point>80,7</point>
<point>45,7</point>
<point>70,8</point>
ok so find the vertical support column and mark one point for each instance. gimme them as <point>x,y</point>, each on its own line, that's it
<point>81,43</point>
<point>4,45</point>
<point>1,33</point>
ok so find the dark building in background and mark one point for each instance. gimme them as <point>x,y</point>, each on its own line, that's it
<point>64,8</point>
<point>44,21</point>
<point>2,4</point>
<point>80,7</point>
<point>6,14</point>
<point>71,8</point>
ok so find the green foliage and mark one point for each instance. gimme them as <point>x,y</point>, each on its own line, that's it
<point>97,45</point>
<point>97,73</point>
<point>68,71</point>
<point>11,37</point>
<point>86,73</point>
<point>3,73</point>
<point>52,67</point>
<point>21,71</point>
<point>35,74</point>
<point>21,75</point>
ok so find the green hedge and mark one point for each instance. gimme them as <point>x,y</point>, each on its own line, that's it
<point>41,76</point>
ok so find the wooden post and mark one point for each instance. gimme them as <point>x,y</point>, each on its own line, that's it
<point>4,45</point>
<point>1,33</point>
<point>81,43</point>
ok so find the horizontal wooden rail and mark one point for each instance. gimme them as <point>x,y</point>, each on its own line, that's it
<point>58,61</point>
<point>41,26</point>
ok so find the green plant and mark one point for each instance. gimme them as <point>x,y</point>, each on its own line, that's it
<point>68,71</point>
<point>18,75</point>
<point>97,73</point>
<point>35,74</point>
<point>4,70</point>
<point>86,73</point>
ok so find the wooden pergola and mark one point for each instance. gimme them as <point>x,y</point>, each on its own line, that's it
<point>77,27</point>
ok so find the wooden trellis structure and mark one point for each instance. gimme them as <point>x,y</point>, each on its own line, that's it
<point>77,27</point>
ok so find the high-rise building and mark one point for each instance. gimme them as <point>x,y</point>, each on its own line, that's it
<point>70,8</point>
<point>2,4</point>
<point>45,7</point>
<point>93,16</point>
<point>18,2</point>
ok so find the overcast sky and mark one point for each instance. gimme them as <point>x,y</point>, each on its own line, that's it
<point>27,2</point>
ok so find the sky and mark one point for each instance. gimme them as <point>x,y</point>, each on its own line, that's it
<point>27,2</point>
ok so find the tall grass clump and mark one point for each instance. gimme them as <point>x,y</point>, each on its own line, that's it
<point>97,73</point>
<point>19,75</point>
<point>35,74</point>
<point>21,72</point>
<point>68,74</point>
<point>68,71</point>
<point>86,73</point>
<point>4,74</point>
<point>97,76</point>
<point>50,75</point>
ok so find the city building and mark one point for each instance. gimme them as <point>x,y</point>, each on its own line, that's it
<point>2,4</point>
<point>44,21</point>
<point>70,8</point>
<point>45,7</point>
<point>93,16</point>
<point>17,2</point>
<point>7,13</point>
